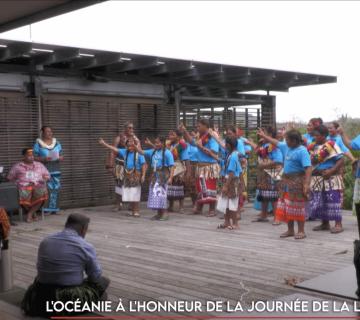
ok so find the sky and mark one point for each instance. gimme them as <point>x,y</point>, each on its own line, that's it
<point>306,36</point>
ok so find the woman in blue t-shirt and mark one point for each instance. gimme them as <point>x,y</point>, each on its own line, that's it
<point>294,187</point>
<point>228,201</point>
<point>326,182</point>
<point>270,160</point>
<point>134,173</point>
<point>161,162</point>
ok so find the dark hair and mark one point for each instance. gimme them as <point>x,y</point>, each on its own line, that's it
<point>322,130</point>
<point>163,141</point>
<point>177,132</point>
<point>232,129</point>
<point>335,124</point>
<point>271,131</point>
<point>43,128</point>
<point>316,122</point>
<point>204,122</point>
<point>77,221</point>
<point>232,141</point>
<point>294,136</point>
<point>25,150</point>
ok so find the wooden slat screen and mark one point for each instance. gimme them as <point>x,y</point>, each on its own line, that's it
<point>78,122</point>
<point>18,127</point>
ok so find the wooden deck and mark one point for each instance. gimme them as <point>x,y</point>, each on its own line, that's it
<point>187,258</point>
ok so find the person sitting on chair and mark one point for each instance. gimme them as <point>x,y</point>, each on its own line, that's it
<point>30,177</point>
<point>63,259</point>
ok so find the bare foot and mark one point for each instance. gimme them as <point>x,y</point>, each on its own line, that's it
<point>287,234</point>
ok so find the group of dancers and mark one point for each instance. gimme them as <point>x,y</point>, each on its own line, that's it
<point>300,176</point>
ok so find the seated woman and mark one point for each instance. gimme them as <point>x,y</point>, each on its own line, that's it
<point>228,201</point>
<point>162,172</point>
<point>134,173</point>
<point>30,177</point>
<point>4,229</point>
<point>326,182</point>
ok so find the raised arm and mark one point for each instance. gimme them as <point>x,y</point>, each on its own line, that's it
<point>187,136</point>
<point>108,146</point>
<point>345,138</point>
<point>261,133</point>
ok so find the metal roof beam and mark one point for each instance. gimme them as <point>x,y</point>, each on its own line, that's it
<point>15,50</point>
<point>99,60</point>
<point>126,66</point>
<point>167,67</point>
<point>61,55</point>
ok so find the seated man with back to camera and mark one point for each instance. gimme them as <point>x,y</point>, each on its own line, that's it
<point>63,259</point>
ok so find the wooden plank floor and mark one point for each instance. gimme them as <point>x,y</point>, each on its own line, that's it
<point>187,258</point>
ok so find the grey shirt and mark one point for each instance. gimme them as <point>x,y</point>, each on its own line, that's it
<point>64,258</point>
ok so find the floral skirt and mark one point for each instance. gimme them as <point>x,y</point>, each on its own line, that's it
<point>292,202</point>
<point>30,196</point>
<point>326,198</point>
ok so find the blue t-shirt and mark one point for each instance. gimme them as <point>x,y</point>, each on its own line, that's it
<point>184,154</point>
<point>247,147</point>
<point>233,165</point>
<point>192,152</point>
<point>129,161</point>
<point>328,163</point>
<point>212,145</point>
<point>157,160</point>
<point>295,159</point>
<point>241,146</point>
<point>308,137</point>
<point>40,151</point>
<point>339,141</point>
<point>355,143</point>
<point>275,155</point>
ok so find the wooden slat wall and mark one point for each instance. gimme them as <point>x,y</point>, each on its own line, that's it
<point>18,126</point>
<point>78,122</point>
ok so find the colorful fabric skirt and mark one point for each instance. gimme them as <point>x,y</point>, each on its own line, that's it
<point>4,223</point>
<point>257,203</point>
<point>229,199</point>
<point>176,191</point>
<point>292,202</point>
<point>268,189</point>
<point>30,196</point>
<point>206,183</point>
<point>191,181</point>
<point>326,198</point>
<point>54,185</point>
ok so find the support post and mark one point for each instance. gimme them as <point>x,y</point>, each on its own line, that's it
<point>177,107</point>
<point>268,111</point>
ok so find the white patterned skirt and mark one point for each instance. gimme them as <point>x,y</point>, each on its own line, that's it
<point>157,199</point>
<point>131,194</point>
